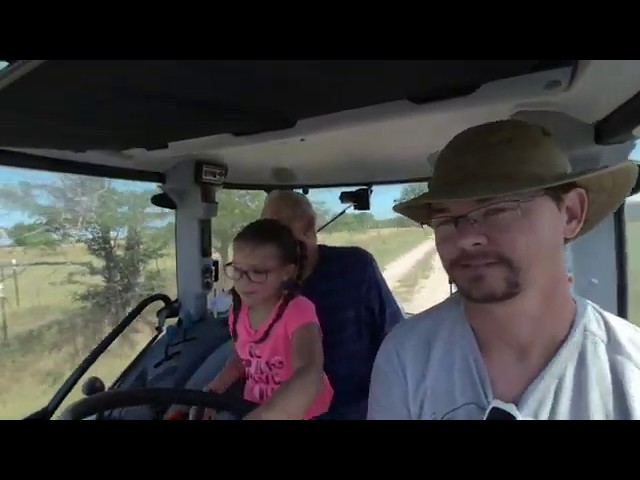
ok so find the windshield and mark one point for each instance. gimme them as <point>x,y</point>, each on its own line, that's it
<point>77,252</point>
<point>404,252</point>
<point>632,230</point>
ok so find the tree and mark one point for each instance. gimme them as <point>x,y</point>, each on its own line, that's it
<point>118,233</point>
<point>353,222</point>
<point>411,191</point>
<point>236,209</point>
<point>408,191</point>
<point>115,225</point>
<point>397,221</point>
<point>322,211</point>
<point>31,235</point>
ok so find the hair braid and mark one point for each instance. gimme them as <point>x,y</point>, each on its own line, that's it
<point>301,263</point>
<point>292,291</point>
<point>235,309</point>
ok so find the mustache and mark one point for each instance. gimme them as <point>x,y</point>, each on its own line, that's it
<point>480,257</point>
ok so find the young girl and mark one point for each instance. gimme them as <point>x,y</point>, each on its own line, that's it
<point>278,345</point>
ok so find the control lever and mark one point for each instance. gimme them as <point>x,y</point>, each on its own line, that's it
<point>92,386</point>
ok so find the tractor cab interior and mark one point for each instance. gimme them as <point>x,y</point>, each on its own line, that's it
<point>122,191</point>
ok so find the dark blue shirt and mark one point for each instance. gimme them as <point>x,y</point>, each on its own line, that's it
<point>356,310</point>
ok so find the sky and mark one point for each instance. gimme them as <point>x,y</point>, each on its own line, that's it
<point>382,200</point>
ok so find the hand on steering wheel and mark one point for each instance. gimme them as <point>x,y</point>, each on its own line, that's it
<point>200,413</point>
<point>115,399</point>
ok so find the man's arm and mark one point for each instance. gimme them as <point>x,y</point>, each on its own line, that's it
<point>388,392</point>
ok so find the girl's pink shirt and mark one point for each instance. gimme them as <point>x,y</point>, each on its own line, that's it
<point>270,363</point>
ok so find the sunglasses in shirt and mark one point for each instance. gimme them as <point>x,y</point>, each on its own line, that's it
<point>499,410</point>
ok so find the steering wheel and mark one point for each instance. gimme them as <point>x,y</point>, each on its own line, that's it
<point>114,399</point>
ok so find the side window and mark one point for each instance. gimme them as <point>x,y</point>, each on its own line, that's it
<point>405,252</point>
<point>76,254</point>
<point>632,229</point>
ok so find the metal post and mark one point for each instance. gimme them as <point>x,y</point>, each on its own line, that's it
<point>3,299</point>
<point>191,213</point>
<point>15,281</point>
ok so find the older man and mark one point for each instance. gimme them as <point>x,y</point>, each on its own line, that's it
<point>503,203</point>
<point>355,306</point>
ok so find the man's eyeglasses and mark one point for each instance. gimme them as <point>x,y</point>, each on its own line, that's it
<point>502,411</point>
<point>493,216</point>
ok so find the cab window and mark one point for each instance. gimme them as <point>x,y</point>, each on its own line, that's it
<point>632,231</point>
<point>404,251</point>
<point>76,254</point>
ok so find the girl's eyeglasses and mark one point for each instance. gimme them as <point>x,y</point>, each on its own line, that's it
<point>236,273</point>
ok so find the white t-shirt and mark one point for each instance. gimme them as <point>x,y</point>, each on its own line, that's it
<point>430,367</point>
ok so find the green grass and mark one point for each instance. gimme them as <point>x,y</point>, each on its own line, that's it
<point>408,285</point>
<point>633,270</point>
<point>45,293</point>
<point>48,335</point>
<point>34,365</point>
<point>385,244</point>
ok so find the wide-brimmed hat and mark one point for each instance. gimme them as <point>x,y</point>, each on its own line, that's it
<point>510,157</point>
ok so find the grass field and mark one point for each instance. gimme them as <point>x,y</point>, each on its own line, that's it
<point>385,244</point>
<point>48,290</point>
<point>47,329</point>
<point>407,287</point>
<point>35,362</point>
<point>633,270</point>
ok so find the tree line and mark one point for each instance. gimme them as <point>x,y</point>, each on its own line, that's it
<point>125,234</point>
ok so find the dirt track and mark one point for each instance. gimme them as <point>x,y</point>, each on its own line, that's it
<point>397,269</point>
<point>431,290</point>
<point>428,291</point>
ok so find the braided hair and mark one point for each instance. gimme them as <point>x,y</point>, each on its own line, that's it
<point>292,251</point>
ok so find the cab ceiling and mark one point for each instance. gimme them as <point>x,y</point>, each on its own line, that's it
<point>289,122</point>
<point>118,105</point>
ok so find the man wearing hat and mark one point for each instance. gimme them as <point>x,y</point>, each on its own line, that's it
<point>503,204</point>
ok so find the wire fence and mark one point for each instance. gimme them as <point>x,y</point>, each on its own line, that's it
<point>34,293</point>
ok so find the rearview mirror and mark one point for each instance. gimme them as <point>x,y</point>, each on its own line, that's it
<point>360,199</point>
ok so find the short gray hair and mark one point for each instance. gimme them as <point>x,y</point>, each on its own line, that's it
<point>293,205</point>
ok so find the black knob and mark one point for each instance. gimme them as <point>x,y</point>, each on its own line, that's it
<point>92,386</point>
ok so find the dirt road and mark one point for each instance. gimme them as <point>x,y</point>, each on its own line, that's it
<point>397,269</point>
<point>429,291</point>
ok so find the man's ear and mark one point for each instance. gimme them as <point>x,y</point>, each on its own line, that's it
<point>292,270</point>
<point>290,277</point>
<point>309,227</point>
<point>575,205</point>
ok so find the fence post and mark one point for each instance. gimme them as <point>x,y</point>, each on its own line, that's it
<point>15,281</point>
<point>3,299</point>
